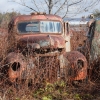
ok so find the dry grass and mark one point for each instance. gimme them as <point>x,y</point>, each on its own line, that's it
<point>45,86</point>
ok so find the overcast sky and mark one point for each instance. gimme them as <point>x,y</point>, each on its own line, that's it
<point>6,6</point>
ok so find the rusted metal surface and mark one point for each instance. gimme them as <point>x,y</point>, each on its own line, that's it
<point>48,67</point>
<point>44,41</point>
<point>78,65</point>
<point>16,65</point>
<point>41,67</point>
<point>36,17</point>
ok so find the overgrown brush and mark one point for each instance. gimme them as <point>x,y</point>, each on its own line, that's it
<point>58,90</point>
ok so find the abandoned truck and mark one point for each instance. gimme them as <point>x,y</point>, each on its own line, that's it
<point>39,49</point>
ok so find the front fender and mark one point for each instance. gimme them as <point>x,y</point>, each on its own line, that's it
<point>16,65</point>
<point>75,71</point>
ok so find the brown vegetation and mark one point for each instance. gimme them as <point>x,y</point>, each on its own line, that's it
<point>42,82</point>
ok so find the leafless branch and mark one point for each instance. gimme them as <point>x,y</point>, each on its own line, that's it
<point>68,5</point>
<point>43,6</point>
<point>46,3</point>
<point>94,3</point>
<point>60,7</point>
<point>66,11</point>
<point>35,5</point>
<point>75,3</point>
<point>23,4</point>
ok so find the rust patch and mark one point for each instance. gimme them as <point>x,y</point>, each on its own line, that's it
<point>43,40</point>
<point>17,65</point>
<point>78,72</point>
<point>36,17</point>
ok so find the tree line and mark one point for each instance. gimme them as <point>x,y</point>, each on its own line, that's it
<point>6,17</point>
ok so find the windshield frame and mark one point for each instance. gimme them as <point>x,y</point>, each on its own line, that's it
<point>33,33</point>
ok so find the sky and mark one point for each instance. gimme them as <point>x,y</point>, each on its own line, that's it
<point>8,6</point>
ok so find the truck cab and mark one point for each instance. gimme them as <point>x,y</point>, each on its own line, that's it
<point>38,31</point>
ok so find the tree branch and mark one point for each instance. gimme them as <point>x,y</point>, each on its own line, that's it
<point>68,5</point>
<point>46,3</point>
<point>36,5</point>
<point>66,11</point>
<point>23,4</point>
<point>60,7</point>
<point>75,3</point>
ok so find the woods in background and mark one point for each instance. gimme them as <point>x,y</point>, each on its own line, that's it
<point>6,17</point>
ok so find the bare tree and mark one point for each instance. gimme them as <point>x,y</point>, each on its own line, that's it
<point>58,7</point>
<point>50,5</point>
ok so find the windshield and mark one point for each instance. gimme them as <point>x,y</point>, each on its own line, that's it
<point>39,26</point>
<point>25,27</point>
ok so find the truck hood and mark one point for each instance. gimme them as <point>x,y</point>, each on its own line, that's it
<point>42,41</point>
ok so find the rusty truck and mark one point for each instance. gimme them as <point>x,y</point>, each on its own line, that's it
<point>38,47</point>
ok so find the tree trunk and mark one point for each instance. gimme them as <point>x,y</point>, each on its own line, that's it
<point>50,6</point>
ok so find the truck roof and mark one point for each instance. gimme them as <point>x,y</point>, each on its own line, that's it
<point>36,17</point>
